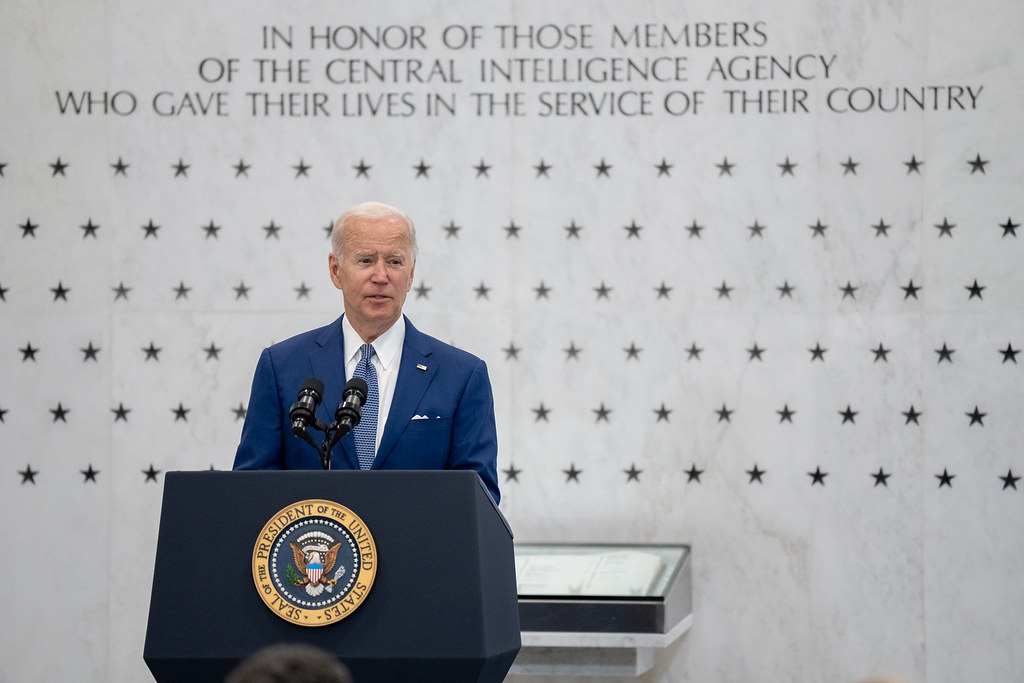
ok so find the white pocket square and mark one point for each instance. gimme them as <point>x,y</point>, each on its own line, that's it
<point>420,417</point>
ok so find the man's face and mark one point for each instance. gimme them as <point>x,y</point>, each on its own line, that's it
<point>374,273</point>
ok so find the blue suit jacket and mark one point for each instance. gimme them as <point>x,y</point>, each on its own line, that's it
<point>446,384</point>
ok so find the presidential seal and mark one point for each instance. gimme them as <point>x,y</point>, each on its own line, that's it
<point>314,563</point>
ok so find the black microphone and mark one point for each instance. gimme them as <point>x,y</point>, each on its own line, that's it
<point>350,411</point>
<point>303,412</point>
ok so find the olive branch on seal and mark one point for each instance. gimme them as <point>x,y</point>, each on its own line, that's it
<point>293,575</point>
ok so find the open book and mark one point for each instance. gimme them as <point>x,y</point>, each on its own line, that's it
<point>613,573</point>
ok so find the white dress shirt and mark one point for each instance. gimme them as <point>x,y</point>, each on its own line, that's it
<point>387,349</point>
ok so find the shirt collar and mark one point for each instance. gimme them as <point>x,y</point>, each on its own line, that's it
<point>386,346</point>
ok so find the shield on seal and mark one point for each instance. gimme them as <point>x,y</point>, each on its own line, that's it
<point>314,572</point>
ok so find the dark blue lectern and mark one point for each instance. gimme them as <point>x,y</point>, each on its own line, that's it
<point>442,607</point>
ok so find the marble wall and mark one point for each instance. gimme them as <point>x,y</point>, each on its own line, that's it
<point>745,276</point>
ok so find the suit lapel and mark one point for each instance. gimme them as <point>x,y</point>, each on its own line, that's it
<point>415,372</point>
<point>328,363</point>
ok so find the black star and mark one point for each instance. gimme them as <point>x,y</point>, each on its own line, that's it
<point>180,168</point>
<point>120,168</point>
<point>28,475</point>
<point>849,291</point>
<point>786,415</point>
<point>120,412</point>
<point>848,415</point>
<point>882,229</point>
<point>724,414</point>
<point>58,168</point>
<point>181,291</point>
<point>302,169</point>
<point>241,291</point>
<point>977,165</point>
<point>28,353</point>
<point>302,291</point>
<point>1009,227</point>
<point>89,474</point>
<point>975,290</point>
<point>151,473</point>
<point>121,292</point>
<point>150,229</point>
<point>512,352</point>
<point>662,413</point>
<point>602,413</point>
<point>482,169</point>
<point>787,167</point>
<point>881,477</point>
<point>913,166</point>
<point>976,416</point>
<point>912,416</point>
<point>272,229</point>
<point>756,229</point>
<point>2,413</point>
<point>152,351</point>
<point>421,169</point>
<point>723,290</point>
<point>755,353</point>
<point>785,290</point>
<point>818,229</point>
<point>239,412</point>
<point>242,168</point>
<point>542,290</point>
<point>90,352</point>
<point>1010,481</point>
<point>1009,353</point>
<point>60,413</point>
<point>512,230</point>
<point>602,169</point>
<point>452,230</point>
<point>89,229</point>
<point>817,476</point>
<point>945,479</point>
<point>633,474</point>
<point>945,227</point>
<point>213,352</point>
<point>2,167</point>
<point>573,230</point>
<point>695,229</point>
<point>60,291</point>
<point>482,290</point>
<point>663,168</point>
<point>849,166</point>
<point>632,230</point>
<point>693,474</point>
<point>725,168</point>
<point>663,290</point>
<point>512,474</point>
<point>422,291</point>
<point>211,230</point>
<point>362,170</point>
<point>572,474</point>
<point>3,293</point>
<point>542,169</point>
<point>945,353</point>
<point>541,413</point>
<point>756,474</point>
<point>602,291</point>
<point>881,353</point>
<point>693,352</point>
<point>573,352</point>
<point>28,229</point>
<point>910,290</point>
<point>181,412</point>
<point>817,353</point>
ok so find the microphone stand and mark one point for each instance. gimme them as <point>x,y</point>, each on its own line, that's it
<point>332,434</point>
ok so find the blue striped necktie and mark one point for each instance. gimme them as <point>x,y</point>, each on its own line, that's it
<point>365,433</point>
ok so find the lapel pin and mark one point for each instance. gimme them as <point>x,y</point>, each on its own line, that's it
<point>421,367</point>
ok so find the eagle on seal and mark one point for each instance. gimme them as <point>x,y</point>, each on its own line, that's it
<point>315,562</point>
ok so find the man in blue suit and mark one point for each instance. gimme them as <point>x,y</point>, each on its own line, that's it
<point>434,408</point>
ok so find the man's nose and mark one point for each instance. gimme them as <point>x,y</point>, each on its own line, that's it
<point>380,272</point>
